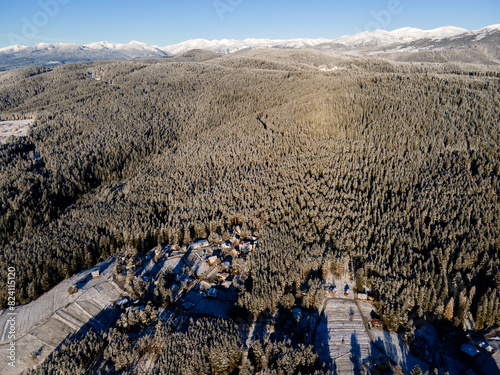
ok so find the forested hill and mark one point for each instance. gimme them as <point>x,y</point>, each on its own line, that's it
<point>395,167</point>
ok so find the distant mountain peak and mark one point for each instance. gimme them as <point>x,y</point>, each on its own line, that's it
<point>367,42</point>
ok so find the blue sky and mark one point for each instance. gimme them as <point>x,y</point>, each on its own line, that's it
<point>164,22</point>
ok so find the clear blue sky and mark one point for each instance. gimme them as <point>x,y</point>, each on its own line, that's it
<point>164,22</point>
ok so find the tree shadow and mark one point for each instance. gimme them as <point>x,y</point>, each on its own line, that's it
<point>101,322</point>
<point>356,355</point>
<point>320,337</point>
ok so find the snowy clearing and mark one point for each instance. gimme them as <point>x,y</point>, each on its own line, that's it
<point>14,129</point>
<point>44,323</point>
<point>333,69</point>
<point>341,339</point>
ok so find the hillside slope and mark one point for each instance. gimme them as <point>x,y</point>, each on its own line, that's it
<point>391,168</point>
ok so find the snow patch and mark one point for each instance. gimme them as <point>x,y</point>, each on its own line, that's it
<point>333,69</point>
<point>485,31</point>
<point>17,128</point>
<point>403,35</point>
<point>12,49</point>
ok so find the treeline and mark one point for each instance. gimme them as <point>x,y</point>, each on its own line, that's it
<point>393,167</point>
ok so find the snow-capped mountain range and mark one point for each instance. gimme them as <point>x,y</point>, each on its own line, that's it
<point>363,43</point>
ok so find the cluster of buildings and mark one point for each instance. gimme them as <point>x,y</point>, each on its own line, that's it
<point>222,256</point>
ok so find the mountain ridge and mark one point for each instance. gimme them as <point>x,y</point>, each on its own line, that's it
<point>364,43</point>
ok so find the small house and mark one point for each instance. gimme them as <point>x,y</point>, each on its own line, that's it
<point>96,274</point>
<point>377,323</point>
<point>470,350</point>
<point>245,247</point>
<point>362,297</point>
<point>212,293</point>
<point>222,276</point>
<point>347,290</point>
<point>226,245</point>
<point>487,348</point>
<point>199,244</point>
<point>212,259</point>
<point>174,288</point>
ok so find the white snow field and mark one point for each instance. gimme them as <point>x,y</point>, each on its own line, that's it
<point>341,338</point>
<point>13,128</point>
<point>44,323</point>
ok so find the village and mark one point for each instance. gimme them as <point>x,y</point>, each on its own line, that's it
<point>204,278</point>
<point>201,278</point>
<point>348,333</point>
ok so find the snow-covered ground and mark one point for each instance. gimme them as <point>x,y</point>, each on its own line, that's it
<point>13,128</point>
<point>44,323</point>
<point>344,284</point>
<point>341,339</point>
<point>324,68</point>
<point>397,350</point>
<point>391,344</point>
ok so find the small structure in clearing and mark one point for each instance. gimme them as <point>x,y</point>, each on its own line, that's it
<point>487,348</point>
<point>199,244</point>
<point>226,245</point>
<point>347,290</point>
<point>222,276</point>
<point>377,323</point>
<point>245,247</point>
<point>212,293</point>
<point>96,274</point>
<point>362,297</point>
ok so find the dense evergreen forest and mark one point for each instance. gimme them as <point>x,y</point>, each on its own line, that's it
<point>391,167</point>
